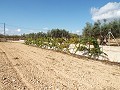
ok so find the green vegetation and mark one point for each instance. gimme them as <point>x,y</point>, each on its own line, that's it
<point>54,33</point>
<point>60,40</point>
<point>91,47</point>
<point>100,30</point>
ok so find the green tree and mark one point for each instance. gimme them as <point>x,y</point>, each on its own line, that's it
<point>58,33</point>
<point>87,31</point>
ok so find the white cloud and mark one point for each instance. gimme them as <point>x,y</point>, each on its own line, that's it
<point>18,30</point>
<point>77,31</point>
<point>45,28</point>
<point>11,31</point>
<point>31,31</point>
<point>2,30</point>
<point>6,29</point>
<point>109,11</point>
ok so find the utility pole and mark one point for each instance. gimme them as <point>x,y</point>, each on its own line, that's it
<point>4,31</point>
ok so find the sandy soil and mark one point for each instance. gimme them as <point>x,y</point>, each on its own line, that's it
<point>9,78</point>
<point>25,67</point>
<point>113,53</point>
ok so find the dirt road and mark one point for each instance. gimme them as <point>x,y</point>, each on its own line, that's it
<point>25,67</point>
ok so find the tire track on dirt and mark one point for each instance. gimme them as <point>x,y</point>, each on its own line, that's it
<point>9,78</point>
<point>36,75</point>
<point>47,70</point>
<point>59,74</point>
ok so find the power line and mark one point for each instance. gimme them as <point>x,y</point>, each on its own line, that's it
<point>22,27</point>
<point>9,26</point>
<point>1,23</point>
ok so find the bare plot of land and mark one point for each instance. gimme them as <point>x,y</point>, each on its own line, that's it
<point>40,69</point>
<point>113,53</point>
<point>9,78</point>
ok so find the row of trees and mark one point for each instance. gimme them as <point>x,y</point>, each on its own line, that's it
<point>1,35</point>
<point>99,29</point>
<point>96,30</point>
<point>54,33</point>
<point>60,40</point>
<point>10,36</point>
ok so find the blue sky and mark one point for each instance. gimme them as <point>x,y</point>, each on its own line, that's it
<point>25,16</point>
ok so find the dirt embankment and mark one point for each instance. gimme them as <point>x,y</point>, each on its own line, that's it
<point>39,69</point>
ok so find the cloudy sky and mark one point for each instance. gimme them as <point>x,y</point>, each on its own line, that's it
<point>109,11</point>
<point>26,16</point>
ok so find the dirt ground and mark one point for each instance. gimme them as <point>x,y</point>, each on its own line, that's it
<point>25,67</point>
<point>113,53</point>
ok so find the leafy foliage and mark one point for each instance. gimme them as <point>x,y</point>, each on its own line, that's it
<point>62,44</point>
<point>85,45</point>
<point>54,33</point>
<point>101,29</point>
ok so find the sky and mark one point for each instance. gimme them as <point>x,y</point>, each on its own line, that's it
<point>27,16</point>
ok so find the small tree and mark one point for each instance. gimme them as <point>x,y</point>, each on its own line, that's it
<point>92,52</point>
